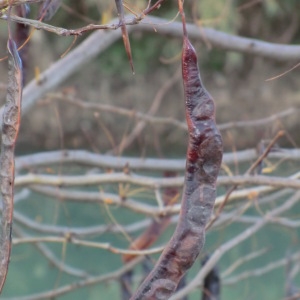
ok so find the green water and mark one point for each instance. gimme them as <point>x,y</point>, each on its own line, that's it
<point>31,273</point>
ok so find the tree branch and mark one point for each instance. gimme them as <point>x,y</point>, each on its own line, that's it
<point>151,182</point>
<point>99,41</point>
<point>216,256</point>
<point>86,158</point>
<point>260,271</point>
<point>83,283</point>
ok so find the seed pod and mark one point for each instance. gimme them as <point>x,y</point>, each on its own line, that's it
<point>10,130</point>
<point>203,161</point>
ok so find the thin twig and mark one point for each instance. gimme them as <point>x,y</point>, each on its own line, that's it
<point>74,241</point>
<point>218,253</point>
<point>83,283</point>
<point>86,158</point>
<point>242,260</point>
<point>118,110</point>
<point>138,128</point>
<point>99,41</point>
<point>216,38</point>
<point>260,271</point>
<point>259,122</point>
<point>166,120</point>
<point>79,231</point>
<point>62,266</point>
<point>136,206</point>
<point>249,171</point>
<point>151,182</point>
<point>120,10</point>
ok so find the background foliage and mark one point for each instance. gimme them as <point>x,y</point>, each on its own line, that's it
<point>236,81</point>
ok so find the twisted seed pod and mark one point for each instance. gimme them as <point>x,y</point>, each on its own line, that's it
<point>10,130</point>
<point>204,156</point>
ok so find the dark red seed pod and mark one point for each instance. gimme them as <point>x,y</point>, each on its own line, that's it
<point>203,161</point>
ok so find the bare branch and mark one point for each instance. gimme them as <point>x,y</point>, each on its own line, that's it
<point>95,179</point>
<point>118,110</point>
<point>74,241</point>
<point>152,110</point>
<point>78,231</point>
<point>63,68</point>
<point>259,122</point>
<point>62,266</point>
<point>121,15</point>
<point>166,120</point>
<point>149,210</point>
<point>107,198</point>
<point>151,182</point>
<point>216,256</point>
<point>99,41</point>
<point>260,271</point>
<point>243,260</point>
<point>225,41</point>
<point>289,182</point>
<point>86,158</point>
<point>83,283</point>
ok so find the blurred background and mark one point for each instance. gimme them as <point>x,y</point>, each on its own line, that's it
<point>236,81</point>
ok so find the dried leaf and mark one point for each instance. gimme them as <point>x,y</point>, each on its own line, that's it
<point>120,9</point>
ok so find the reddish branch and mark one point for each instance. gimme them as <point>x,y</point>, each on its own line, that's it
<point>204,156</point>
<point>148,237</point>
<point>150,9</point>
<point>157,227</point>
<point>10,130</point>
